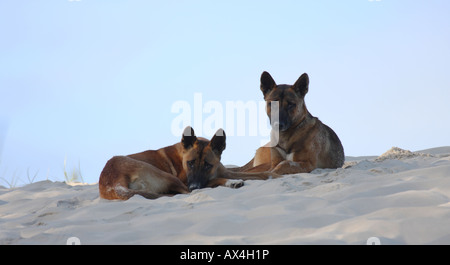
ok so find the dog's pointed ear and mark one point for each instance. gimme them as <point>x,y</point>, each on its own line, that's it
<point>189,139</point>
<point>301,85</point>
<point>267,83</point>
<point>218,142</point>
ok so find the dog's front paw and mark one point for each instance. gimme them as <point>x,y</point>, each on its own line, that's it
<point>234,184</point>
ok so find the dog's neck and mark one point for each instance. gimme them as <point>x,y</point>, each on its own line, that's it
<point>301,123</point>
<point>283,137</point>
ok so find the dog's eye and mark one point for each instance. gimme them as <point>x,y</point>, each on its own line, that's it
<point>291,105</point>
<point>191,163</point>
<point>207,165</point>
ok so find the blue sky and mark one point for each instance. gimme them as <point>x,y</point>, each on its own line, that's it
<point>87,80</point>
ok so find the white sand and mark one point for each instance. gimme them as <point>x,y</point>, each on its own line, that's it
<point>400,197</point>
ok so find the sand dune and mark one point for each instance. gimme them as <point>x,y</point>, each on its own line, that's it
<point>401,197</point>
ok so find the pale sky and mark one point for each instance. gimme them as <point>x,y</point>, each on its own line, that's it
<point>87,80</point>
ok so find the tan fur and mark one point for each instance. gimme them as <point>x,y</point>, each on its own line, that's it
<point>166,171</point>
<point>304,143</point>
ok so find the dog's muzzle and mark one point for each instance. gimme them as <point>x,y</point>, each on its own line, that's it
<point>279,126</point>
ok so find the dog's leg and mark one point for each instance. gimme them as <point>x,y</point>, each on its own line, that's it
<point>259,168</point>
<point>226,177</point>
<point>151,180</point>
<point>226,174</point>
<point>291,167</point>
<point>262,156</point>
<point>266,158</point>
<point>124,177</point>
<point>126,193</point>
<point>234,184</point>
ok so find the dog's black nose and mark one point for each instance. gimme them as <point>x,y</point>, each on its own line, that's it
<point>281,126</point>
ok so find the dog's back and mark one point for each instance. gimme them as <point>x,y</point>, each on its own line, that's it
<point>333,156</point>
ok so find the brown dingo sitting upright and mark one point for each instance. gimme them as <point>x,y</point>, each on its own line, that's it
<point>304,142</point>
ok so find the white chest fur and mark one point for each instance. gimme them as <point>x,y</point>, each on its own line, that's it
<point>289,157</point>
